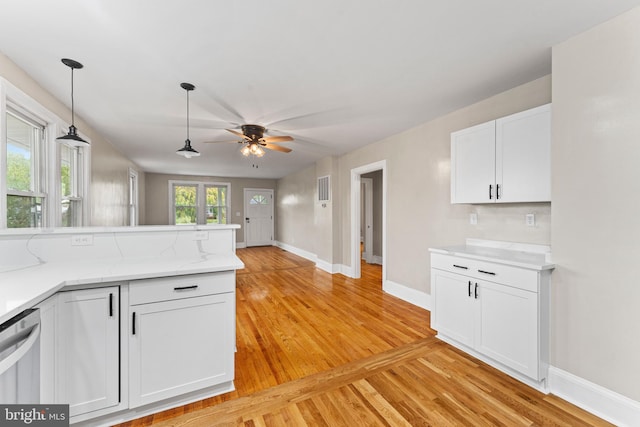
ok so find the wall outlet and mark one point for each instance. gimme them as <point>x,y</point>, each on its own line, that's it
<point>473,218</point>
<point>530,220</point>
<point>82,240</point>
<point>201,235</point>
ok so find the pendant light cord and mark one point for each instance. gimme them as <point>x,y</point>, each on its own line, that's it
<point>187,114</point>
<point>72,112</point>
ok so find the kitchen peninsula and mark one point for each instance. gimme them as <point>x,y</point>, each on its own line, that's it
<point>134,320</point>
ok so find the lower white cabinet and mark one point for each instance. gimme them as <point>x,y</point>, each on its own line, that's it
<point>181,335</point>
<point>87,349</point>
<point>498,311</point>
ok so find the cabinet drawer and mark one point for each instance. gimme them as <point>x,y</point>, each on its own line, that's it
<point>177,287</point>
<point>499,273</point>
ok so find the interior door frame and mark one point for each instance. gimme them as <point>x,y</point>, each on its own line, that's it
<point>244,204</point>
<point>367,183</point>
<point>355,216</point>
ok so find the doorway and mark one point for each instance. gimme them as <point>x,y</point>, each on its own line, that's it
<point>356,215</point>
<point>258,211</point>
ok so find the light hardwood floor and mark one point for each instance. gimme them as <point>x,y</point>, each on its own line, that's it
<point>321,349</point>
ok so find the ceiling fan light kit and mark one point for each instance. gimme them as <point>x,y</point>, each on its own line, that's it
<point>72,138</point>
<point>187,151</point>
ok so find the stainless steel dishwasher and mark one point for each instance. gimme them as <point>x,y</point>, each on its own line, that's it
<point>20,358</point>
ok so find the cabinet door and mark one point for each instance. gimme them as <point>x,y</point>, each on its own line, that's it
<point>48,319</point>
<point>508,327</point>
<point>180,346</point>
<point>523,156</point>
<point>453,310</point>
<point>88,373</point>
<point>473,164</point>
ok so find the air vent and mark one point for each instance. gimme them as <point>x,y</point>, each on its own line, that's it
<point>324,192</point>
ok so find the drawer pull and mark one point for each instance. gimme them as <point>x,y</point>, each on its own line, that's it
<point>486,272</point>
<point>461,266</point>
<point>476,291</point>
<point>133,323</point>
<point>186,288</point>
<point>110,305</point>
<point>469,288</point>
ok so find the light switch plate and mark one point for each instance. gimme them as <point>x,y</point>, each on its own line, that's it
<point>473,218</point>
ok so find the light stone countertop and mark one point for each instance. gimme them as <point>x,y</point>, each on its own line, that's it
<point>25,284</point>
<point>533,257</point>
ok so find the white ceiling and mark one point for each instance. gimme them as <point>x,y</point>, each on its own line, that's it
<point>334,74</point>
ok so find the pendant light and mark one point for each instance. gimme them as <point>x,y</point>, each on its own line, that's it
<point>72,137</point>
<point>187,151</point>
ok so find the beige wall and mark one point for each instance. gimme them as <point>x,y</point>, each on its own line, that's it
<point>157,197</point>
<point>298,225</point>
<point>419,212</point>
<point>109,168</point>
<point>596,205</point>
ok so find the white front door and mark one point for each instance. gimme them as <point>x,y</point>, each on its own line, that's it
<point>258,211</point>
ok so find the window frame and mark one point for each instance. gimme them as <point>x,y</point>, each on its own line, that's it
<point>50,168</point>
<point>201,200</point>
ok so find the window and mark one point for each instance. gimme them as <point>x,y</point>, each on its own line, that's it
<point>199,202</point>
<point>42,183</point>
<point>133,197</point>
<point>25,171</point>
<point>71,185</point>
<point>216,208</point>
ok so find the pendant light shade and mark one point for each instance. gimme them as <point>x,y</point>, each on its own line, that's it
<point>187,151</point>
<point>72,138</point>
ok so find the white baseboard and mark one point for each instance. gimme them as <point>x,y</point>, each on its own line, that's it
<point>376,259</point>
<point>410,295</point>
<point>600,401</point>
<point>241,245</point>
<point>321,264</point>
<point>297,251</point>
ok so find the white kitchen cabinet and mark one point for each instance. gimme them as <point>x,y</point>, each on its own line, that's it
<point>48,321</point>
<point>492,310</point>
<point>507,160</point>
<point>454,313</point>
<point>181,335</point>
<point>88,351</point>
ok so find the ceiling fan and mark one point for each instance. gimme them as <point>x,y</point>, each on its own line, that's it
<point>255,141</point>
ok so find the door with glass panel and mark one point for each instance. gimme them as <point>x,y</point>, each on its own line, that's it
<point>258,208</point>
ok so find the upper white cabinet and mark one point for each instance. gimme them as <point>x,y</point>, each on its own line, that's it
<point>503,161</point>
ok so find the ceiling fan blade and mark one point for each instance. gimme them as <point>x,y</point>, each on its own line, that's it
<point>240,134</point>
<point>276,148</point>
<point>277,138</point>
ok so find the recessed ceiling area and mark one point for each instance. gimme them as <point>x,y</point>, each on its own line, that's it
<point>334,75</point>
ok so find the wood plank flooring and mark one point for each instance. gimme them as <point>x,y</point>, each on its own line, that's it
<point>321,349</point>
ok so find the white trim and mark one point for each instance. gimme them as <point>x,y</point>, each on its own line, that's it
<point>376,259</point>
<point>297,251</point>
<point>321,264</point>
<point>405,293</point>
<point>600,401</point>
<point>368,218</point>
<point>355,216</point>
<point>241,245</point>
